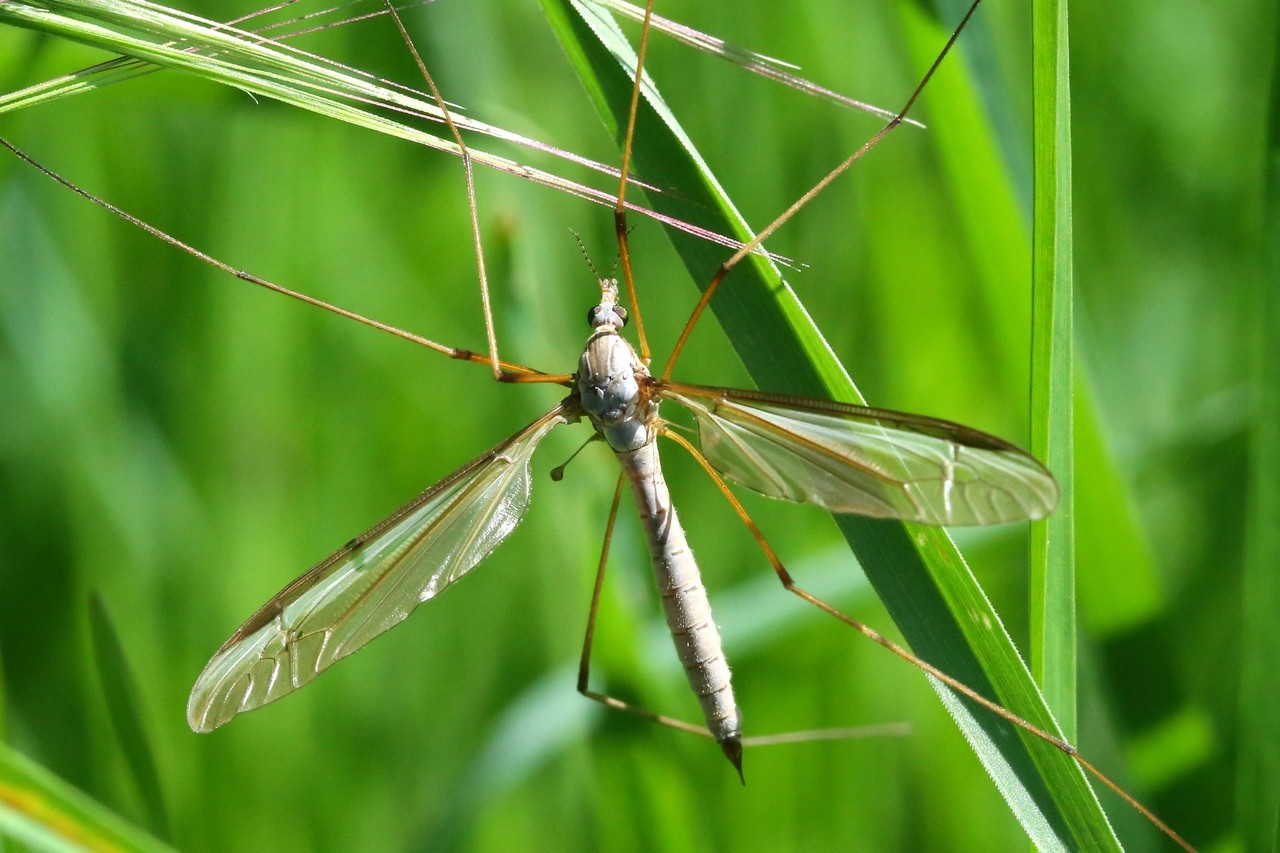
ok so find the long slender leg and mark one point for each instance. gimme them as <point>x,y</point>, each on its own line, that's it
<point>499,372</point>
<point>620,209</point>
<point>584,664</point>
<point>929,669</point>
<point>452,352</point>
<point>510,372</point>
<point>502,371</point>
<point>817,188</point>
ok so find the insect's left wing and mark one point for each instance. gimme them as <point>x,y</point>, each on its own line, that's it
<point>370,584</point>
<point>866,461</point>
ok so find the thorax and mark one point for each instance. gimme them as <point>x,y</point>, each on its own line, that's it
<point>613,389</point>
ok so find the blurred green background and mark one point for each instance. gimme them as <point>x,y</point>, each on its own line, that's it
<point>182,444</point>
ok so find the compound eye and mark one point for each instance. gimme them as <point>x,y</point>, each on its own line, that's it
<point>615,315</point>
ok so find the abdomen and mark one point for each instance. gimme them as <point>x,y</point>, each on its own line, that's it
<point>684,599</point>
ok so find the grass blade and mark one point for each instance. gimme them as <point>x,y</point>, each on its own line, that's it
<point>121,690</point>
<point>1258,774</point>
<point>225,55</point>
<point>1053,603</point>
<point>755,63</point>
<point>917,572</point>
<point>45,812</point>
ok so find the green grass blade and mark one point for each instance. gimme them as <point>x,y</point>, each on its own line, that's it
<point>917,572</point>
<point>1053,602</point>
<point>4,717</point>
<point>120,688</point>
<point>1258,774</point>
<point>41,810</point>
<point>220,54</point>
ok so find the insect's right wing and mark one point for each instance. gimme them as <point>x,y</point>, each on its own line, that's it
<point>866,461</point>
<point>370,584</point>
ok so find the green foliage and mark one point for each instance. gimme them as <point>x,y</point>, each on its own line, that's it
<point>184,444</point>
<point>43,811</point>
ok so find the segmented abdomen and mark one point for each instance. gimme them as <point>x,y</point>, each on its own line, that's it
<point>684,599</point>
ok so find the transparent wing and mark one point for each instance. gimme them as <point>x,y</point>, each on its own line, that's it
<point>866,461</point>
<point>371,583</point>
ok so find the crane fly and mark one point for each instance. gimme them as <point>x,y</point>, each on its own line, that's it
<point>843,458</point>
<point>840,457</point>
